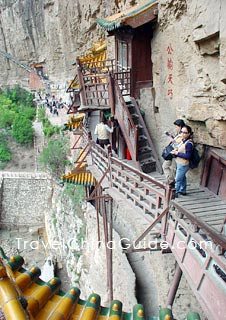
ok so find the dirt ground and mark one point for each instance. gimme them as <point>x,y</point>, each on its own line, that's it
<point>23,158</point>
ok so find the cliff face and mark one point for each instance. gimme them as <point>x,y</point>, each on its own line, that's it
<point>188,55</point>
<point>49,31</point>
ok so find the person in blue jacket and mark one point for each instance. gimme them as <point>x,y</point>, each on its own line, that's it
<point>183,154</point>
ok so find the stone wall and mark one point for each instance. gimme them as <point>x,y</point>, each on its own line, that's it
<point>24,199</point>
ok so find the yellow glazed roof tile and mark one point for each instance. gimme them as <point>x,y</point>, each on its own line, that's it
<point>45,303</point>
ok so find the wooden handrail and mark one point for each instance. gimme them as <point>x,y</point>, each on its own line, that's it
<point>141,175</point>
<point>143,190</point>
<point>98,66</point>
<point>214,235</point>
<point>127,125</point>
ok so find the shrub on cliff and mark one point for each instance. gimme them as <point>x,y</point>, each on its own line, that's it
<point>54,157</point>
<point>20,96</point>
<point>17,113</point>
<point>22,130</point>
<point>48,129</point>
<point>7,114</point>
<point>5,154</point>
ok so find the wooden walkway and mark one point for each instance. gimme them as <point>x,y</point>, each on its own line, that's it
<point>204,206</point>
<point>192,225</point>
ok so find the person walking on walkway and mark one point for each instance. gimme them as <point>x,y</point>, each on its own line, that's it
<point>103,131</point>
<point>183,155</point>
<point>169,166</point>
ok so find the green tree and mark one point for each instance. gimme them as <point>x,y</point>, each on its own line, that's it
<point>7,118</point>
<point>22,130</point>
<point>7,114</point>
<point>5,154</point>
<point>13,102</point>
<point>54,157</point>
<point>20,96</point>
<point>28,112</point>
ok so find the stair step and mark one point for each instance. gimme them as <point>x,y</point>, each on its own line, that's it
<point>146,161</point>
<point>144,156</point>
<point>144,149</point>
<point>140,129</point>
<point>135,118</point>
<point>142,143</point>
<point>135,115</point>
<point>148,166</point>
<point>142,137</point>
<point>131,108</point>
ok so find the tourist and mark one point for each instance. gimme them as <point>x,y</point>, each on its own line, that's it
<point>169,166</point>
<point>183,154</point>
<point>55,111</point>
<point>102,131</point>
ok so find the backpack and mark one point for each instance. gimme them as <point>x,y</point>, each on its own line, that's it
<point>195,159</point>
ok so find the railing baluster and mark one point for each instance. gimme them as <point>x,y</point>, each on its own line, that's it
<point>136,185</point>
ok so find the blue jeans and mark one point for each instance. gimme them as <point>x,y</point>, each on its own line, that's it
<point>181,181</point>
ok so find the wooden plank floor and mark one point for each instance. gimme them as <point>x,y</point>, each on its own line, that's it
<point>204,205</point>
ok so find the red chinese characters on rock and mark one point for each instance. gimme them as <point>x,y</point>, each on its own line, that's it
<point>170,71</point>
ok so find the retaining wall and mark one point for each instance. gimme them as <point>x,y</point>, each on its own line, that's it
<point>23,199</point>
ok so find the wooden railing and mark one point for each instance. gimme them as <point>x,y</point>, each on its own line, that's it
<point>127,125</point>
<point>98,67</point>
<point>198,226</point>
<point>123,79</point>
<point>197,254</point>
<point>144,191</point>
<point>96,90</point>
<point>194,245</point>
<point>96,81</point>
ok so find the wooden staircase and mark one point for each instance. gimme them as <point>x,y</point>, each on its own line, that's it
<point>111,90</point>
<point>144,152</point>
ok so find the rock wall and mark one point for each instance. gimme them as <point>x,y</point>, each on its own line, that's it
<point>93,266</point>
<point>188,55</point>
<point>72,239</point>
<point>52,32</point>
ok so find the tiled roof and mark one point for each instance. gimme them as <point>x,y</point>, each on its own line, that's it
<point>96,53</point>
<point>79,175</point>
<point>23,295</point>
<point>75,122</point>
<point>96,56</point>
<point>83,178</point>
<point>126,17</point>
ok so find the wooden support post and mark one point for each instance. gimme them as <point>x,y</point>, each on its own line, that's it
<point>81,82</point>
<point>108,250</point>
<point>110,238</point>
<point>174,286</point>
<point>110,83</point>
